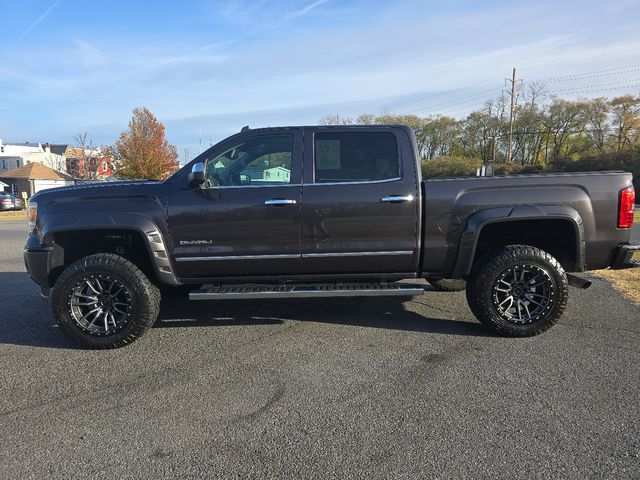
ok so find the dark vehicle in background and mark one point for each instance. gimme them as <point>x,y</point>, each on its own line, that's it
<point>10,202</point>
<point>311,212</point>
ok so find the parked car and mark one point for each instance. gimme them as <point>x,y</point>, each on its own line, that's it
<point>325,211</point>
<point>10,202</point>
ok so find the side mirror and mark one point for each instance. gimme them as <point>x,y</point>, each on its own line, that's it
<point>196,177</point>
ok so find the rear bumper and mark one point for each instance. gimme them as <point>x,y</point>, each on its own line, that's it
<point>623,255</point>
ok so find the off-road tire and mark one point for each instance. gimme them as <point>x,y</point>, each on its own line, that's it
<point>448,285</point>
<point>482,295</point>
<point>144,299</point>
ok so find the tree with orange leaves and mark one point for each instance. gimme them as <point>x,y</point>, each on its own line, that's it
<point>142,151</point>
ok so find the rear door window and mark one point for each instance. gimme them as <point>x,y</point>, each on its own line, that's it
<point>345,157</point>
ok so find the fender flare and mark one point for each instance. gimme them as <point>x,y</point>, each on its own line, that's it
<point>148,230</point>
<point>479,220</point>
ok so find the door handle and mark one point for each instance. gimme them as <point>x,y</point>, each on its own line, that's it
<point>274,202</point>
<point>397,198</point>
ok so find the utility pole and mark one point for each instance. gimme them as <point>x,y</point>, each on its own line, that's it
<point>512,110</point>
<point>492,162</point>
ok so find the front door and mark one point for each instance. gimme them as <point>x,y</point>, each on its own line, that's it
<point>245,219</point>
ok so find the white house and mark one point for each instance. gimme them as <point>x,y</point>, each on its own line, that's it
<point>277,174</point>
<point>16,155</point>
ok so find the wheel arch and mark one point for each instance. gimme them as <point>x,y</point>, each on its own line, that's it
<point>72,239</point>
<point>508,220</point>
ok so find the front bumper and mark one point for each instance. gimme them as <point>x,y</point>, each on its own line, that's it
<point>37,263</point>
<point>623,255</point>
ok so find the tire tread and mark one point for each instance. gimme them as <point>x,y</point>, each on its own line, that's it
<point>146,313</point>
<point>477,287</point>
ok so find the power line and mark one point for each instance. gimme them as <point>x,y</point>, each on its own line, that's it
<point>609,54</point>
<point>607,86</point>
<point>604,71</point>
<point>453,103</point>
<point>589,77</point>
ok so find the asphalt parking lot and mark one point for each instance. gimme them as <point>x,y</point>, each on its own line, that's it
<point>373,388</point>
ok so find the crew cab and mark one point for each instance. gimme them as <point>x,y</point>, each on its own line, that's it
<point>322,211</point>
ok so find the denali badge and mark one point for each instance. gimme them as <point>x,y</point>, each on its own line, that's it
<point>196,242</point>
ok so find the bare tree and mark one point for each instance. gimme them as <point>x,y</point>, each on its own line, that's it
<point>87,158</point>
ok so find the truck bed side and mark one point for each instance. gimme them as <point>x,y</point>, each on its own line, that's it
<point>552,209</point>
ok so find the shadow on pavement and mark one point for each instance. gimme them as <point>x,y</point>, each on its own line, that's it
<point>26,319</point>
<point>375,312</point>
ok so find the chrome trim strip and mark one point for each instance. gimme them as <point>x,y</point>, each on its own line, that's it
<point>363,182</point>
<point>237,257</point>
<point>282,185</point>
<point>279,201</point>
<point>357,254</point>
<point>397,198</point>
<point>293,255</point>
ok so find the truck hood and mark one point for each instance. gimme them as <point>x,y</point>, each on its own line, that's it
<point>98,190</point>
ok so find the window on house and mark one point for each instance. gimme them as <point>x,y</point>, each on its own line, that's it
<point>104,167</point>
<point>355,157</point>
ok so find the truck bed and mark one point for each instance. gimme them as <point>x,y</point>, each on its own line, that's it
<point>450,204</point>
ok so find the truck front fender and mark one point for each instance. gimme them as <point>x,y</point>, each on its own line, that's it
<point>145,227</point>
<point>482,218</point>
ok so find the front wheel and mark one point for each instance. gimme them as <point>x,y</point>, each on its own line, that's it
<point>519,291</point>
<point>104,301</point>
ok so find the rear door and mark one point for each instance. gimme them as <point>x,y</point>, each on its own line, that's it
<point>246,221</point>
<point>361,201</point>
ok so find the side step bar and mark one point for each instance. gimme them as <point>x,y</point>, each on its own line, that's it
<point>245,292</point>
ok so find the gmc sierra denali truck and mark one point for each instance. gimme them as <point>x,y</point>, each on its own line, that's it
<point>320,212</point>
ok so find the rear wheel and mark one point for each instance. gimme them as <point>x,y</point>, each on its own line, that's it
<point>104,301</point>
<point>519,290</point>
<point>448,285</point>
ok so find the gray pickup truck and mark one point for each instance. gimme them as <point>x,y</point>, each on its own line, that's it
<point>321,212</point>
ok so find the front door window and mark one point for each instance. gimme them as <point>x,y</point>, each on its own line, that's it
<point>259,161</point>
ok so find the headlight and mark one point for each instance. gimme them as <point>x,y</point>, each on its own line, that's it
<point>32,215</point>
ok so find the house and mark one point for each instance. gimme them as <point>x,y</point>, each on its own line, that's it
<point>100,166</point>
<point>33,177</point>
<point>9,162</point>
<point>15,155</point>
<point>277,174</point>
<point>266,174</point>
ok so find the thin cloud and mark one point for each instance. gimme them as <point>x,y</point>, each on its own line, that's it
<point>189,56</point>
<point>40,19</point>
<point>297,14</point>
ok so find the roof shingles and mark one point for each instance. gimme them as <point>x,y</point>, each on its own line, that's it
<point>34,171</point>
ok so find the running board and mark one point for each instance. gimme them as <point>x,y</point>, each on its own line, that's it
<point>245,292</point>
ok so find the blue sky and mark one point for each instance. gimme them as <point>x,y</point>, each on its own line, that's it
<point>206,68</point>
